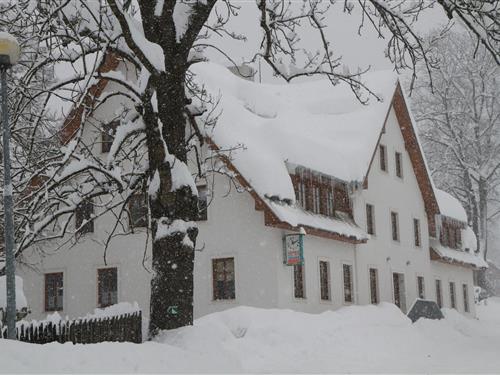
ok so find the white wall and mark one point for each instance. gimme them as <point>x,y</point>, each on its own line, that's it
<point>236,229</point>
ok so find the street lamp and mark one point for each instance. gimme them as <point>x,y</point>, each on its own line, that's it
<point>9,54</point>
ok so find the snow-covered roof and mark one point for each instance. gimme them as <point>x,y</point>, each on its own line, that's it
<point>341,224</point>
<point>312,124</point>
<point>458,256</point>
<point>450,206</point>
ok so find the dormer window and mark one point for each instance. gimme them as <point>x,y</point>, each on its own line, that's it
<point>330,203</point>
<point>450,234</point>
<point>320,194</point>
<point>316,200</point>
<point>301,198</point>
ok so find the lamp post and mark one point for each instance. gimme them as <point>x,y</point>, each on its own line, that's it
<point>9,54</point>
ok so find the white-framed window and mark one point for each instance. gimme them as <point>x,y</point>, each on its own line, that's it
<point>299,283</point>
<point>439,293</point>
<point>324,280</point>
<point>395,226</point>
<point>398,283</point>
<point>374,292</point>
<point>453,295</point>
<point>398,157</point>
<point>223,276</point>
<point>383,157</point>
<point>347,277</point>
<point>417,235</point>
<point>421,287</point>
<point>465,292</point>
<point>370,219</point>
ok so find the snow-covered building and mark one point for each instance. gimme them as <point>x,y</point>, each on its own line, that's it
<point>320,176</point>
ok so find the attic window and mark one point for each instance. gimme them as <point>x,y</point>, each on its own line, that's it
<point>399,164</point>
<point>383,158</point>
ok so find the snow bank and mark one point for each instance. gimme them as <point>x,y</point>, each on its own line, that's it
<point>312,124</point>
<point>450,206</point>
<point>371,339</point>
<point>21,300</point>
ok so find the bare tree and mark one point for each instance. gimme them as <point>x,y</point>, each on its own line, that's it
<point>460,125</point>
<point>162,125</point>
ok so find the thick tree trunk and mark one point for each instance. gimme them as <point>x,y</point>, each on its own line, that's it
<point>173,252</point>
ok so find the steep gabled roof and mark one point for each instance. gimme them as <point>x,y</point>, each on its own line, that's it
<point>313,124</point>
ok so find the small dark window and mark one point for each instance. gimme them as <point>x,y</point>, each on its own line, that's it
<point>465,290</point>
<point>107,135</point>
<point>54,291</point>
<point>374,298</point>
<point>395,226</point>
<point>138,209</point>
<point>202,203</point>
<point>348,290</point>
<point>453,297</point>
<point>416,232</point>
<point>223,278</point>
<point>399,165</point>
<point>439,294</point>
<point>83,214</point>
<point>421,287</point>
<point>107,287</point>
<point>324,280</point>
<point>383,158</point>
<point>398,280</point>
<point>298,281</point>
<point>370,219</point>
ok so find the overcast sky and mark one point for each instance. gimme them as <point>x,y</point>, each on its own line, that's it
<point>356,50</point>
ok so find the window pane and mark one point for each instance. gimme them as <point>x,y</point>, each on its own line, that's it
<point>453,301</point>
<point>298,281</point>
<point>439,295</point>
<point>370,224</point>
<point>373,286</point>
<point>54,291</point>
<point>347,273</point>
<point>416,231</point>
<point>324,277</point>
<point>466,297</point>
<point>223,279</point>
<point>138,209</point>
<point>107,285</point>
<point>383,158</point>
<point>399,291</point>
<point>84,212</point>
<point>395,226</point>
<point>399,165</point>
<point>420,287</point>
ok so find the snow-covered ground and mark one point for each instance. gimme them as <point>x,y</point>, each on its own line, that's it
<point>244,339</point>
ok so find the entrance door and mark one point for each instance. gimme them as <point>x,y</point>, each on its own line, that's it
<point>398,281</point>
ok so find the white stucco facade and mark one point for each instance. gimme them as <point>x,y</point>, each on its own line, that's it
<point>236,229</point>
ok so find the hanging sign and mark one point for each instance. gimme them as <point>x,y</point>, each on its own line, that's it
<point>293,249</point>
